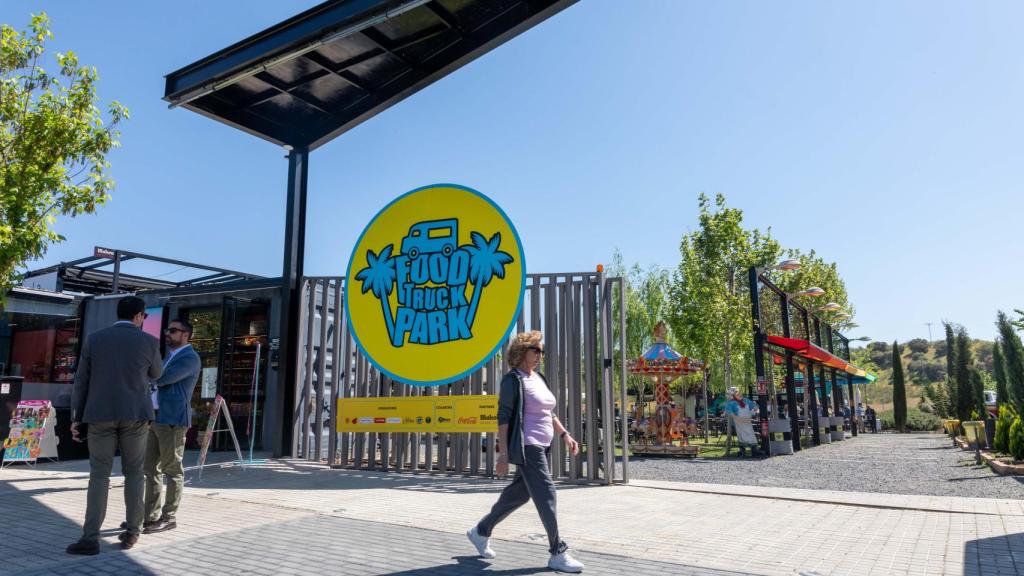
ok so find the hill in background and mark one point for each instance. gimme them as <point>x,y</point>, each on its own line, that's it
<point>924,363</point>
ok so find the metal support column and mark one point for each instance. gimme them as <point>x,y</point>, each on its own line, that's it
<point>762,384</point>
<point>294,252</point>
<point>794,416</point>
<point>812,393</point>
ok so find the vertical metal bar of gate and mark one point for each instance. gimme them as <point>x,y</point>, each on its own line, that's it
<point>346,383</point>
<point>332,423</point>
<point>607,393</point>
<point>590,378</point>
<point>552,370</point>
<point>307,388</point>
<point>575,355</point>
<point>622,380</point>
<point>321,370</point>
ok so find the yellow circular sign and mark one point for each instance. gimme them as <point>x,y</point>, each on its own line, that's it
<point>434,284</point>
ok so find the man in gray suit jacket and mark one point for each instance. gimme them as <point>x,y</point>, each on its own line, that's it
<point>165,447</point>
<point>111,396</point>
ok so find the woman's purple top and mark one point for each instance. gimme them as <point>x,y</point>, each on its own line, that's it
<point>538,429</point>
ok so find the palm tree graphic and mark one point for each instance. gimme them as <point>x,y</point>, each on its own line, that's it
<point>485,262</point>
<point>379,276</point>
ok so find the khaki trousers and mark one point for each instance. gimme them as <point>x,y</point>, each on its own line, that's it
<point>105,438</point>
<point>165,449</point>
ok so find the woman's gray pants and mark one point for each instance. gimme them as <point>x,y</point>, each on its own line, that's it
<point>532,480</point>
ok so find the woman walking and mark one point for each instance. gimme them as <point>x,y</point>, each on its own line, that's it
<point>526,427</point>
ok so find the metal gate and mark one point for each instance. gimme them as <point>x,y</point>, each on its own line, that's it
<point>575,312</point>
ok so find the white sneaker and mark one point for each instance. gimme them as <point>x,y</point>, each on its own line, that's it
<point>564,562</point>
<point>482,543</point>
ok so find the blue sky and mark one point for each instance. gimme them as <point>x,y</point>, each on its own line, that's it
<point>884,135</point>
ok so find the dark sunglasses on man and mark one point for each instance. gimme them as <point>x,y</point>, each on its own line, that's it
<point>537,349</point>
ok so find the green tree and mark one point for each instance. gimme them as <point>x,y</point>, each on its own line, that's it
<point>53,144</point>
<point>1017,438</point>
<point>951,393</point>
<point>965,398</point>
<point>999,373</point>
<point>710,314</point>
<point>1013,361</point>
<point>899,390</point>
<point>1003,423</point>
<point>646,304</point>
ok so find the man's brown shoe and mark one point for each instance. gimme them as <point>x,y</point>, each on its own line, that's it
<point>145,524</point>
<point>84,548</point>
<point>161,525</point>
<point>127,540</point>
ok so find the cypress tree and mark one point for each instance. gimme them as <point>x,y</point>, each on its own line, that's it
<point>1013,361</point>
<point>964,387</point>
<point>977,393</point>
<point>899,390</point>
<point>951,396</point>
<point>999,373</point>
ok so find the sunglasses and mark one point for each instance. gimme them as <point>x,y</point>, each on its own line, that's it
<point>173,330</point>
<point>537,349</point>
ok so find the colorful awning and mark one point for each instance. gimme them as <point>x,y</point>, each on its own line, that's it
<point>806,349</point>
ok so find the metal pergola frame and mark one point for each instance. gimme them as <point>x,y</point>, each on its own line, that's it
<point>832,341</point>
<point>303,82</point>
<point>87,275</point>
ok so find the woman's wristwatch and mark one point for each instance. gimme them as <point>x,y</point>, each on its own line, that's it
<point>564,432</point>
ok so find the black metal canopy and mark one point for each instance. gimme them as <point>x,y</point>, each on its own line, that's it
<point>319,74</point>
<point>87,275</point>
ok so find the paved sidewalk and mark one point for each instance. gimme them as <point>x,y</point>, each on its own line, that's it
<point>291,517</point>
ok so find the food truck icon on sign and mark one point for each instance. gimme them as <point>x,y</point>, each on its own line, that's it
<point>430,237</point>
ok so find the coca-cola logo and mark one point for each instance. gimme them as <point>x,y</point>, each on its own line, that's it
<point>467,419</point>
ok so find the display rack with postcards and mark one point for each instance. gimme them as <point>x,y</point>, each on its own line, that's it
<point>32,433</point>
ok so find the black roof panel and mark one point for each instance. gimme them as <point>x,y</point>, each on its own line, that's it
<point>319,74</point>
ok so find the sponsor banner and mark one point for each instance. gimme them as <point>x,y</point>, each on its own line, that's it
<point>477,413</point>
<point>438,273</point>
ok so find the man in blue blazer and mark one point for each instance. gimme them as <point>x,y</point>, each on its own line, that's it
<point>165,447</point>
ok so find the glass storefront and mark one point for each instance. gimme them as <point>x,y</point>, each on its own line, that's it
<point>227,339</point>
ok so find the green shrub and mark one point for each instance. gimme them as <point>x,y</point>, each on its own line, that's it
<point>1003,423</point>
<point>916,421</point>
<point>1017,439</point>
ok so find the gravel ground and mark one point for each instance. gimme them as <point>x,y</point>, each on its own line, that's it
<point>924,464</point>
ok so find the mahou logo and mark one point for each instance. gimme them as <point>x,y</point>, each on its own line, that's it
<point>438,274</point>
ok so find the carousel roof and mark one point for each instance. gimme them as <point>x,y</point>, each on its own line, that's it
<point>660,358</point>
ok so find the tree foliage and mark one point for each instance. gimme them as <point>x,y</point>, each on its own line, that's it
<point>951,392</point>
<point>1002,439</point>
<point>965,396</point>
<point>710,313</point>
<point>53,144</point>
<point>1016,443</point>
<point>999,374</point>
<point>1013,360</point>
<point>919,345</point>
<point>647,303</point>
<point>899,390</point>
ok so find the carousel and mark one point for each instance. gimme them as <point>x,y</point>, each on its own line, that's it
<point>667,432</point>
